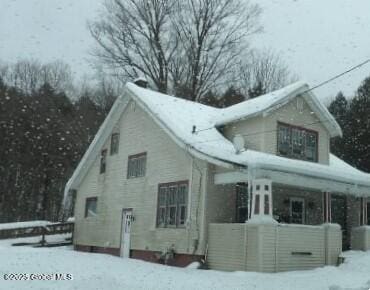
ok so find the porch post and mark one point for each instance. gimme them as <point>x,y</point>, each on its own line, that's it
<point>262,198</point>
<point>327,207</point>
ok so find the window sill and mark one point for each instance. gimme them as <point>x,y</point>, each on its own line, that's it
<point>170,228</point>
<point>135,177</point>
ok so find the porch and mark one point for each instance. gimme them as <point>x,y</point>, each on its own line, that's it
<point>287,222</point>
<point>272,247</point>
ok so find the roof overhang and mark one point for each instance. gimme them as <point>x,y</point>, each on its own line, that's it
<point>106,129</point>
<point>322,113</point>
<point>300,180</point>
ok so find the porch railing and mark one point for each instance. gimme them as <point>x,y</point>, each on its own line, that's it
<point>272,247</point>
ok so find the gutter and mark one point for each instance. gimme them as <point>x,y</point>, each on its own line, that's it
<point>350,183</point>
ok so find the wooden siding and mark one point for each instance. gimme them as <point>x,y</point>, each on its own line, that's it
<point>334,243</point>
<point>272,247</point>
<point>361,238</point>
<point>260,133</point>
<point>250,129</point>
<point>300,247</point>
<point>166,162</point>
<point>289,114</point>
<point>221,200</point>
<point>231,257</point>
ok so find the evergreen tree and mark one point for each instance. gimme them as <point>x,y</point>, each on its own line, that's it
<point>231,97</point>
<point>210,99</point>
<point>339,109</point>
<point>359,128</point>
<point>353,117</point>
<point>256,91</point>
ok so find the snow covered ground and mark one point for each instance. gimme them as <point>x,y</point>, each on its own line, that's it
<point>98,271</point>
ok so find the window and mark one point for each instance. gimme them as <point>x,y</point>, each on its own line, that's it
<point>172,204</point>
<point>241,202</point>
<point>297,211</point>
<point>267,204</point>
<point>368,213</point>
<point>299,143</point>
<point>90,206</point>
<point>136,165</point>
<point>114,144</point>
<point>257,204</point>
<point>103,161</point>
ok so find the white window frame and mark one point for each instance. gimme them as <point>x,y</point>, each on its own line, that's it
<point>136,165</point>
<point>177,205</point>
<point>116,149</point>
<point>87,212</point>
<point>294,138</point>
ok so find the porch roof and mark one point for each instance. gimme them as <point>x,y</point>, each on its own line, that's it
<point>338,176</point>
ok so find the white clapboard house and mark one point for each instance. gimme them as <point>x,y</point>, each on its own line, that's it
<point>249,187</point>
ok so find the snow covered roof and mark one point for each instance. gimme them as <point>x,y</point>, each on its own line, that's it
<point>179,117</point>
<point>274,100</point>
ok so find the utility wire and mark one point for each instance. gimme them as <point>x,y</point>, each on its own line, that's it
<point>311,89</point>
<point>257,133</point>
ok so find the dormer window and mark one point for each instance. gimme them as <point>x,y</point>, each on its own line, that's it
<point>296,142</point>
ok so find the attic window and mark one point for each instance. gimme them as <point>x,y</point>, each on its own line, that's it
<point>103,161</point>
<point>114,144</point>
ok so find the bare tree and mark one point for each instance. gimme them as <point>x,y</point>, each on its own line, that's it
<point>106,91</point>
<point>25,75</point>
<point>133,36</point>
<point>213,35</point>
<point>30,75</point>
<point>58,74</point>
<point>179,45</point>
<point>264,71</point>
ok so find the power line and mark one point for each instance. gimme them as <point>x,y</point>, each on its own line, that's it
<point>318,85</point>
<point>338,75</point>
<point>257,133</point>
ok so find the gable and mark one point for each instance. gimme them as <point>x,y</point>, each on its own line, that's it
<point>193,126</point>
<point>264,105</point>
<point>297,112</point>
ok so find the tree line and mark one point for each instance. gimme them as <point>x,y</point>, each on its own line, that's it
<point>45,128</point>
<point>195,49</point>
<point>352,113</point>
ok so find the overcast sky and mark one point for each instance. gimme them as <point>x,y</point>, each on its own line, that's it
<point>317,38</point>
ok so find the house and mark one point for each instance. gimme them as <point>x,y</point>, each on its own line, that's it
<point>249,187</point>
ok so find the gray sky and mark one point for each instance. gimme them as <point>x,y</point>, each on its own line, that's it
<point>317,38</point>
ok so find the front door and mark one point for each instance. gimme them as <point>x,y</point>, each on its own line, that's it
<point>339,216</point>
<point>126,232</point>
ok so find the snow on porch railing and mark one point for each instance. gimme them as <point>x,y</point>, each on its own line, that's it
<point>49,229</point>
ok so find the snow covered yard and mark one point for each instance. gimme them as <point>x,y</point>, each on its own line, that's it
<point>98,271</point>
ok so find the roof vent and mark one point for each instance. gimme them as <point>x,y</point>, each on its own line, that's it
<point>141,82</point>
<point>238,142</point>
